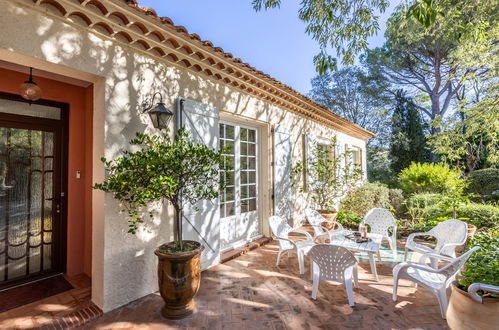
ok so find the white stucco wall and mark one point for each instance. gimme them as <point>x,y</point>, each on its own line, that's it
<point>124,266</point>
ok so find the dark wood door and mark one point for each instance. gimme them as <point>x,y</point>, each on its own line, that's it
<point>33,185</point>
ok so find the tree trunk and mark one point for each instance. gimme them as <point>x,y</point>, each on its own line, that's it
<point>177,233</point>
<point>435,113</point>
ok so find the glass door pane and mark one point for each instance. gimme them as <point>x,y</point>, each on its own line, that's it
<point>26,202</point>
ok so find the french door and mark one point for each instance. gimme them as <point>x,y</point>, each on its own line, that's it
<point>239,222</point>
<point>32,209</point>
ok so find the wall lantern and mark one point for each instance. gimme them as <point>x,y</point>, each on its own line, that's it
<point>160,115</point>
<point>29,90</point>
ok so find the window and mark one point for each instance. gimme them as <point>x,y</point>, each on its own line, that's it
<point>239,147</point>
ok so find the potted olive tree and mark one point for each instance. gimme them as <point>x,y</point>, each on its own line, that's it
<point>464,312</point>
<point>329,176</point>
<point>180,172</point>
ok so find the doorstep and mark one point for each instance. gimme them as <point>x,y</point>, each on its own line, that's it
<point>232,254</point>
<point>66,310</point>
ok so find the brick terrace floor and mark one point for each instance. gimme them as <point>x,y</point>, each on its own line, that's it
<point>250,292</point>
<point>44,312</point>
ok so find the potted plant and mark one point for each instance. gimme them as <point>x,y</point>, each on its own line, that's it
<point>329,177</point>
<point>180,172</point>
<point>482,267</point>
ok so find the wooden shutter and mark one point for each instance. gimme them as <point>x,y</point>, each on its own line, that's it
<point>201,222</point>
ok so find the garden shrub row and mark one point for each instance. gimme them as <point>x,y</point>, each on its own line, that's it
<point>484,183</point>
<point>480,215</point>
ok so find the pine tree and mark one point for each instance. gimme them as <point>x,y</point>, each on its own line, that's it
<point>408,142</point>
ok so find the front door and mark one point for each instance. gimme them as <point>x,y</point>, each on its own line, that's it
<point>239,221</point>
<point>32,230</point>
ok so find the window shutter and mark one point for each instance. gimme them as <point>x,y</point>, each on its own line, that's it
<point>310,144</point>
<point>201,222</point>
<point>283,179</point>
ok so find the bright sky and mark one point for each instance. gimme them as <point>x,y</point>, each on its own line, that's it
<point>273,42</point>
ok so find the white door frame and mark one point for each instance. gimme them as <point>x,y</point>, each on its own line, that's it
<point>259,200</point>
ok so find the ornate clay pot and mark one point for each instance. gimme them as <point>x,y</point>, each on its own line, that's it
<point>328,215</point>
<point>464,313</point>
<point>179,276</point>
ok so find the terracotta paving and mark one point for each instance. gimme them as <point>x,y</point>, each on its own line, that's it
<point>44,312</point>
<point>250,292</point>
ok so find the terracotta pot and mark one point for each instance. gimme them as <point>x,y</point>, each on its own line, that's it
<point>464,313</point>
<point>471,231</point>
<point>179,276</point>
<point>328,215</point>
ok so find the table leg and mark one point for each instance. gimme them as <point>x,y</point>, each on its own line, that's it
<point>373,266</point>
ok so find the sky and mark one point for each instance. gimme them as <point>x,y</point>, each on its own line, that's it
<point>272,41</point>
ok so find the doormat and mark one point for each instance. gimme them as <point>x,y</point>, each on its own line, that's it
<point>388,258</point>
<point>31,292</point>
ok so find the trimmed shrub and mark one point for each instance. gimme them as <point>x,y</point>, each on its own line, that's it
<point>480,215</point>
<point>349,219</point>
<point>361,199</point>
<point>396,199</point>
<point>430,178</point>
<point>483,265</point>
<point>418,206</point>
<point>484,183</point>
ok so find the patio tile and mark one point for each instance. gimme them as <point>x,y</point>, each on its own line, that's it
<point>250,292</point>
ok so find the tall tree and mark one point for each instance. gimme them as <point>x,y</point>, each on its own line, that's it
<point>354,94</point>
<point>343,26</point>
<point>408,142</point>
<point>430,61</point>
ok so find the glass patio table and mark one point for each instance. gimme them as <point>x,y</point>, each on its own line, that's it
<point>371,247</point>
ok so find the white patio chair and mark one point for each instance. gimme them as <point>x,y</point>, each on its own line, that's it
<point>380,220</point>
<point>449,234</point>
<point>320,232</point>
<point>281,229</point>
<point>333,263</point>
<point>437,280</point>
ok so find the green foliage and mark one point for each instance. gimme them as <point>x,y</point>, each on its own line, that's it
<point>418,206</point>
<point>483,265</point>
<point>328,177</point>
<point>424,11</point>
<point>349,218</point>
<point>179,171</point>
<point>370,195</point>
<point>396,199</point>
<point>480,215</point>
<point>357,96</point>
<point>431,178</point>
<point>407,142</point>
<point>484,183</point>
<point>471,140</point>
<point>339,25</point>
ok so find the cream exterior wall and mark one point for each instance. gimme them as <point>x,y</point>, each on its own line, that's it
<point>124,266</point>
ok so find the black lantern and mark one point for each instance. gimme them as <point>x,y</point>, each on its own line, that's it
<point>160,115</point>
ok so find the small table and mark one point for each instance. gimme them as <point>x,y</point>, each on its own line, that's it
<point>371,247</point>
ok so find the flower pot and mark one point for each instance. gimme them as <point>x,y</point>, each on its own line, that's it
<point>471,232</point>
<point>179,276</point>
<point>464,313</point>
<point>328,215</point>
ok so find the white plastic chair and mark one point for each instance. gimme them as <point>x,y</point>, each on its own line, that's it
<point>281,229</point>
<point>437,280</point>
<point>320,232</point>
<point>449,234</point>
<point>333,263</point>
<point>380,220</point>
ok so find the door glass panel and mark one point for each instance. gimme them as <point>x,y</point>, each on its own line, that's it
<point>26,190</point>
<point>238,203</point>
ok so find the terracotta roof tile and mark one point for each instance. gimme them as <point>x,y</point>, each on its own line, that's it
<point>182,30</point>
